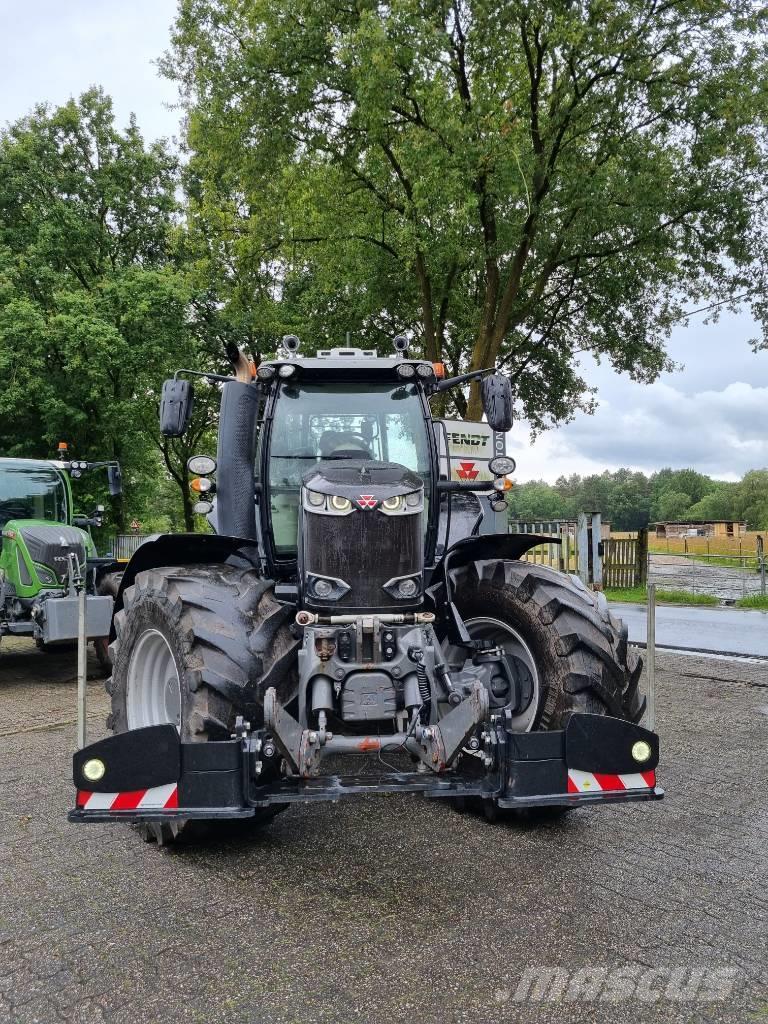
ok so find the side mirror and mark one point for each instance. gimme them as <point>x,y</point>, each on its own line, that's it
<point>176,405</point>
<point>496,394</point>
<point>115,479</point>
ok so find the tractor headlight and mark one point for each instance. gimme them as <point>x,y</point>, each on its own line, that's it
<point>265,372</point>
<point>502,465</point>
<point>46,576</point>
<point>425,370</point>
<point>403,588</point>
<point>413,499</point>
<point>393,504</point>
<point>316,498</point>
<point>286,370</point>
<point>405,370</point>
<point>340,504</point>
<point>641,751</point>
<point>94,769</point>
<point>201,465</point>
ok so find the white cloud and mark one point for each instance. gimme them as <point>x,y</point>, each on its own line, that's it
<point>720,432</point>
<point>50,51</point>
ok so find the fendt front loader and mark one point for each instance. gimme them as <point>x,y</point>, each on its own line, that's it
<point>330,616</point>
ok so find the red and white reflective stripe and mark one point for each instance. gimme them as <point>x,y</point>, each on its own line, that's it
<point>594,782</point>
<point>158,797</point>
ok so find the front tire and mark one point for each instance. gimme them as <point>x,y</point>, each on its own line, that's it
<point>197,646</point>
<point>575,649</point>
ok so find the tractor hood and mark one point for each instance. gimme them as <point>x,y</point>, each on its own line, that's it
<point>350,477</point>
<point>48,544</point>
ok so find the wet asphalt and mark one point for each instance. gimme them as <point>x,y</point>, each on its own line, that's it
<point>739,631</point>
<point>393,908</point>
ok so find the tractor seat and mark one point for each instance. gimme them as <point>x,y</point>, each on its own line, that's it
<point>339,444</point>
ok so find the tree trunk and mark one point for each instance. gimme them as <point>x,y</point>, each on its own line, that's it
<point>186,499</point>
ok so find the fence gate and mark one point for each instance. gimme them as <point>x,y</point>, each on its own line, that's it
<point>579,550</point>
<point>625,561</point>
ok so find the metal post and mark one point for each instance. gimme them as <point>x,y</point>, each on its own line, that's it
<point>761,563</point>
<point>82,661</point>
<point>651,652</point>
<point>597,546</point>
<point>582,548</point>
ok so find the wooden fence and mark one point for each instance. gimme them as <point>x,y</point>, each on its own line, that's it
<point>738,546</point>
<point>562,555</point>
<point>625,561</point>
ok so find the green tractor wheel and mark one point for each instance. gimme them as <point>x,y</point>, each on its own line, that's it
<point>107,586</point>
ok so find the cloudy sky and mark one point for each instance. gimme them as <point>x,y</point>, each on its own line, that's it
<point>712,414</point>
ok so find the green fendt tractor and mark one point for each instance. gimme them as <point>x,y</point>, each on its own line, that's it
<point>347,606</point>
<point>47,553</point>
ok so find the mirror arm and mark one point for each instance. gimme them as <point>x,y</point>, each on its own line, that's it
<point>208,376</point>
<point>452,382</point>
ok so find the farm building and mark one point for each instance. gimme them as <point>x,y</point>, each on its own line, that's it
<point>708,528</point>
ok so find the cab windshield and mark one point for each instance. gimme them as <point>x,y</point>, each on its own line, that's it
<point>28,491</point>
<point>316,423</point>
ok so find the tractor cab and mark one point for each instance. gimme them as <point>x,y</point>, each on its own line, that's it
<point>33,490</point>
<point>311,425</point>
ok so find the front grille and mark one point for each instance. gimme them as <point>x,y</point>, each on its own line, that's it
<point>365,549</point>
<point>52,545</point>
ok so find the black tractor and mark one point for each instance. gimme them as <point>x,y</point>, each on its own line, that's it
<point>337,610</point>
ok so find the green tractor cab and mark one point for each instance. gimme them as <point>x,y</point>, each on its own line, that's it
<point>46,550</point>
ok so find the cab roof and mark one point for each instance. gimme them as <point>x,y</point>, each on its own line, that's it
<point>32,463</point>
<point>355,363</point>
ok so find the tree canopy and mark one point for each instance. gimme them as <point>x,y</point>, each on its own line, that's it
<point>631,500</point>
<point>95,307</point>
<point>513,182</point>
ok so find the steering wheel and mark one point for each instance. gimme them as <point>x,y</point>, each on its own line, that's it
<point>344,447</point>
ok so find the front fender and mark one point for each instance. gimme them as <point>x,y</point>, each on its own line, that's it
<point>163,549</point>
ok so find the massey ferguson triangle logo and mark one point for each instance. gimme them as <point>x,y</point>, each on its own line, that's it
<point>366,501</point>
<point>467,471</point>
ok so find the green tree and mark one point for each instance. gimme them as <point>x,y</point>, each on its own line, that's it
<point>672,505</point>
<point>536,500</point>
<point>719,503</point>
<point>515,183</point>
<point>95,307</point>
<point>751,501</point>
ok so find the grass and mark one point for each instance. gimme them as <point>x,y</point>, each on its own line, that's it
<point>639,595</point>
<point>753,601</point>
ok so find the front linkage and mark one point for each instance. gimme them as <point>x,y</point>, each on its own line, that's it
<point>150,775</point>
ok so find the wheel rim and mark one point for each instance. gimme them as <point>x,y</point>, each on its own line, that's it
<point>153,693</point>
<point>518,653</point>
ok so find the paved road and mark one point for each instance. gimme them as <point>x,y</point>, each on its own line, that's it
<point>390,909</point>
<point>719,630</point>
